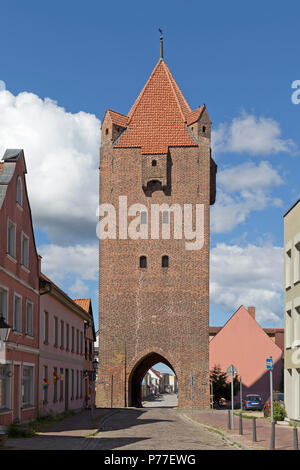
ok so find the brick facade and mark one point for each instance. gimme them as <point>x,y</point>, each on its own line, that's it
<point>154,314</point>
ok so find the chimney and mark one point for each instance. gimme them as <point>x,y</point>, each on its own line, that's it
<point>251,310</point>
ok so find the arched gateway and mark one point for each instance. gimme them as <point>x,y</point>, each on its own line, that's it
<point>154,262</point>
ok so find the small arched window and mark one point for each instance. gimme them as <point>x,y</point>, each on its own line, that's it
<point>19,192</point>
<point>106,131</point>
<point>154,162</point>
<point>165,261</point>
<point>203,129</point>
<point>143,262</point>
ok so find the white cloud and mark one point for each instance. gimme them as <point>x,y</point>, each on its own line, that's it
<point>79,289</point>
<point>252,275</point>
<point>2,85</point>
<point>62,263</point>
<point>62,157</point>
<point>242,189</point>
<point>251,134</point>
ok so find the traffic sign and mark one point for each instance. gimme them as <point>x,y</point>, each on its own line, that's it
<point>269,363</point>
<point>231,370</point>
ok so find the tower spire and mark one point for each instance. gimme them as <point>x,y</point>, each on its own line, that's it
<point>161,44</point>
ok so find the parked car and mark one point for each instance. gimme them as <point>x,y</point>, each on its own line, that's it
<point>277,397</point>
<point>253,402</point>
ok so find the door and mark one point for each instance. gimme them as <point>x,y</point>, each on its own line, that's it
<point>66,389</point>
<point>16,394</point>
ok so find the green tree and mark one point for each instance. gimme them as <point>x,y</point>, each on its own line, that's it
<point>221,383</point>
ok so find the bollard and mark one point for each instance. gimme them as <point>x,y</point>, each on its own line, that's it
<point>229,421</point>
<point>295,438</point>
<point>241,424</point>
<point>254,429</point>
<point>272,443</point>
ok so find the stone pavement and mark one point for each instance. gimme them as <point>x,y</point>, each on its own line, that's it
<point>219,419</point>
<point>74,432</point>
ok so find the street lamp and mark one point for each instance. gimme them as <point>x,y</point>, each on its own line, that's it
<point>4,330</point>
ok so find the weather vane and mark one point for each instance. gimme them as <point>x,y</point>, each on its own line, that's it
<point>161,44</point>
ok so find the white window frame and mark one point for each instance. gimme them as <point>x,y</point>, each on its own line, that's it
<point>25,256</point>
<point>5,309</point>
<point>14,320</point>
<point>19,194</point>
<point>30,403</point>
<point>296,323</point>
<point>8,241</point>
<point>27,332</point>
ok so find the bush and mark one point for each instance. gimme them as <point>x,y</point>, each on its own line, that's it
<point>18,430</point>
<point>278,411</point>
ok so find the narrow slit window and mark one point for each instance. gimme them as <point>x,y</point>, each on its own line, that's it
<point>154,162</point>
<point>143,262</point>
<point>165,261</point>
<point>203,129</point>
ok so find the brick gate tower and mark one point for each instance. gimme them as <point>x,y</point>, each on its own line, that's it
<point>154,288</point>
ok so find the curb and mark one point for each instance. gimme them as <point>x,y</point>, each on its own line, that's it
<point>228,438</point>
<point>104,419</point>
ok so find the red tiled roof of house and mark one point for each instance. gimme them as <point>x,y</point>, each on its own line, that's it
<point>1,165</point>
<point>157,120</point>
<point>195,115</point>
<point>83,303</point>
<point>117,118</point>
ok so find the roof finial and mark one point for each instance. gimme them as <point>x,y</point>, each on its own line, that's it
<point>161,44</point>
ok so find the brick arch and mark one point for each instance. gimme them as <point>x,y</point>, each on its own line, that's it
<point>138,372</point>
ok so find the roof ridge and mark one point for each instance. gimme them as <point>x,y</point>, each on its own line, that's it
<point>176,90</point>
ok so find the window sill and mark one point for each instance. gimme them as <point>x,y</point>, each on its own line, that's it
<point>27,335</point>
<point>17,333</point>
<point>19,206</point>
<point>28,407</point>
<point>25,269</point>
<point>4,411</point>
<point>11,258</point>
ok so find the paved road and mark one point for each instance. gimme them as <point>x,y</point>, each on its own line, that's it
<point>158,427</point>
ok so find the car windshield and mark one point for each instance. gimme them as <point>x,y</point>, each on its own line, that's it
<point>253,398</point>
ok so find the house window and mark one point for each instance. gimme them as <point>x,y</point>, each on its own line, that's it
<point>55,331</point>
<point>165,261</point>
<point>55,385</point>
<point>72,343</point>
<point>25,251</point>
<point>77,384</point>
<point>67,336</point>
<point>61,380</point>
<point>27,386</point>
<point>29,318</point>
<point>288,329</point>
<point>45,390</point>
<point>4,302</point>
<point>72,384</point>
<point>62,333</point>
<point>81,379</point>
<point>77,341</point>
<point>46,327</point>
<point>17,313</point>
<point>203,129</point>
<point>19,192</point>
<point>288,264</point>
<point>143,262</point>
<point>11,238</point>
<point>5,384</point>
<point>154,162</point>
<point>81,342</point>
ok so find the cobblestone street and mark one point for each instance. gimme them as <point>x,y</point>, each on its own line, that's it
<point>156,426</point>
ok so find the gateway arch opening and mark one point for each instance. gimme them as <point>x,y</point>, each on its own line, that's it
<point>153,383</point>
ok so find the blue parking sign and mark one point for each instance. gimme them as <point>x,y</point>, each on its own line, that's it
<point>269,363</point>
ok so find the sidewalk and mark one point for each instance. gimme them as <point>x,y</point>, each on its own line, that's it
<point>74,432</point>
<point>219,419</point>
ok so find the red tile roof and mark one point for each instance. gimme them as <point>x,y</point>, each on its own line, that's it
<point>1,165</point>
<point>117,118</point>
<point>157,120</point>
<point>83,303</point>
<point>195,115</point>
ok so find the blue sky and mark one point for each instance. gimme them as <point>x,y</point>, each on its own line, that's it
<point>238,58</point>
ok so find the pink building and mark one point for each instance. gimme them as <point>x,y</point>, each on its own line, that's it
<point>19,294</point>
<point>62,353</point>
<point>243,343</point>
